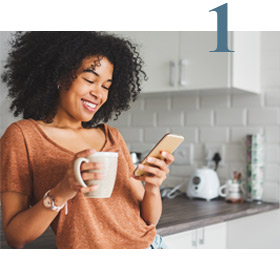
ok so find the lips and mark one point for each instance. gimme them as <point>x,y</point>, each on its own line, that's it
<point>89,105</point>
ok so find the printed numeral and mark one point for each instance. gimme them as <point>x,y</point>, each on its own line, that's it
<point>222,29</point>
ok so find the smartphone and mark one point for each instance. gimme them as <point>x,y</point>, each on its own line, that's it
<point>168,143</point>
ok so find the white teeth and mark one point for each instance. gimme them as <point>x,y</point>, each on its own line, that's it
<point>90,105</point>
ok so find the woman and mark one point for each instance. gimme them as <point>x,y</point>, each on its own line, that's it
<point>67,85</point>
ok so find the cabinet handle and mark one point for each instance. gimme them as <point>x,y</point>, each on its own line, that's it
<point>194,238</point>
<point>201,236</point>
<point>172,74</point>
<point>183,63</point>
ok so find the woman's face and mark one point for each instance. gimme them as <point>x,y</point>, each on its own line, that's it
<point>89,91</point>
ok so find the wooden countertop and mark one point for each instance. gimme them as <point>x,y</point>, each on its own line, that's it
<point>182,214</point>
<point>179,214</point>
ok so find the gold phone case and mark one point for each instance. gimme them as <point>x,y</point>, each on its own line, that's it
<point>168,143</point>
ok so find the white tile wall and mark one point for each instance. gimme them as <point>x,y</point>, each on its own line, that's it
<point>230,117</point>
<point>199,117</point>
<point>264,116</point>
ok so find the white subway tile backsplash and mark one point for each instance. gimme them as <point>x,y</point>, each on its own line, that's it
<point>124,120</point>
<point>272,134</point>
<point>214,135</point>
<point>157,104</point>
<point>238,134</point>
<point>199,117</point>
<point>183,103</point>
<point>170,119</point>
<point>246,101</point>
<point>270,41</point>
<point>131,134</point>
<point>138,105</point>
<point>270,78</point>
<point>271,192</point>
<point>230,117</point>
<point>272,97</point>
<point>271,172</point>
<point>5,36</point>
<point>198,152</point>
<point>190,133</point>
<point>235,152</point>
<point>264,116</point>
<point>272,153</point>
<point>271,61</point>
<point>143,119</point>
<point>181,170</point>
<point>143,148</point>
<point>215,101</point>
<point>154,134</point>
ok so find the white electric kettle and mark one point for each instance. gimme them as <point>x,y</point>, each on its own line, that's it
<point>204,184</point>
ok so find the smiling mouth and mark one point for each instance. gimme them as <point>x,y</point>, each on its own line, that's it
<point>89,105</point>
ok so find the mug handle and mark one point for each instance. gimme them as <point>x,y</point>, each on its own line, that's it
<point>77,170</point>
<point>221,193</point>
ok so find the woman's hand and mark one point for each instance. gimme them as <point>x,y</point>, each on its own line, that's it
<point>69,187</point>
<point>157,170</point>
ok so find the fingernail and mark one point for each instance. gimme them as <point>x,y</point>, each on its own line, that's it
<point>92,151</point>
<point>164,154</point>
<point>150,159</point>
<point>141,166</point>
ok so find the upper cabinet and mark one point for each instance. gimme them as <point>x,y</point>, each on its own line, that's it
<point>182,61</point>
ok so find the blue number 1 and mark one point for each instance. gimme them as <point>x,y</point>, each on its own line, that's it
<point>222,35</point>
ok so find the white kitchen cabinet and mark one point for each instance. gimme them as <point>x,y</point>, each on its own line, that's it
<point>210,237</point>
<point>198,67</point>
<point>182,61</point>
<point>260,231</point>
<point>182,240</point>
<point>158,50</point>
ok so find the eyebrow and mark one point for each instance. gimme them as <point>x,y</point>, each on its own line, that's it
<point>89,70</point>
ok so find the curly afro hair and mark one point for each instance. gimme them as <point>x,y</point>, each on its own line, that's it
<point>38,61</point>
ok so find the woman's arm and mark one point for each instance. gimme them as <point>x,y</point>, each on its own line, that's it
<point>151,205</point>
<point>23,224</point>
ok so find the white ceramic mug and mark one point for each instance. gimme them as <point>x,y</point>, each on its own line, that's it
<point>106,184</point>
<point>232,190</point>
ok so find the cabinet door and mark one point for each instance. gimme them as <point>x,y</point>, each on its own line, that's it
<point>212,237</point>
<point>260,231</point>
<point>183,240</point>
<point>158,49</point>
<point>200,68</point>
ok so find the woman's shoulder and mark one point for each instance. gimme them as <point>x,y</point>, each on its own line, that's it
<point>19,128</point>
<point>113,134</point>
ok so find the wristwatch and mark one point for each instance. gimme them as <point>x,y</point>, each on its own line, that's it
<point>48,202</point>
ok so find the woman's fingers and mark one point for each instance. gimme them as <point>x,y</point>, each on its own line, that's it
<point>85,166</point>
<point>168,158</point>
<point>92,176</point>
<point>89,189</point>
<point>84,153</point>
<point>154,170</point>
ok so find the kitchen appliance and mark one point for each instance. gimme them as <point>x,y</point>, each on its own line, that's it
<point>204,183</point>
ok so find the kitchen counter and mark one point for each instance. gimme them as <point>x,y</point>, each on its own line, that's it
<point>179,214</point>
<point>182,214</point>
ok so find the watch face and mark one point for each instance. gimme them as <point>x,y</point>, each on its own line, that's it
<point>48,202</point>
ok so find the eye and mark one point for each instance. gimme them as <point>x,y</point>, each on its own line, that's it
<point>91,82</point>
<point>106,88</point>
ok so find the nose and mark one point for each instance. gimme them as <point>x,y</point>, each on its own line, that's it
<point>96,91</point>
